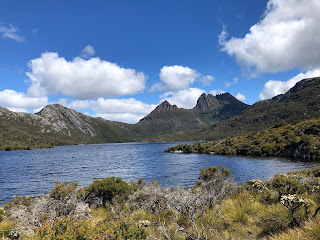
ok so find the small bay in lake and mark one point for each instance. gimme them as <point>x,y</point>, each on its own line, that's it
<point>35,172</point>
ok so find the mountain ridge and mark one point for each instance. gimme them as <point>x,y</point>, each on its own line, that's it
<point>301,102</point>
<point>58,125</point>
<point>213,117</point>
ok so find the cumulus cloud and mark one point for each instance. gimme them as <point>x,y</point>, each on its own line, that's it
<point>175,78</point>
<point>82,79</point>
<point>229,84</point>
<point>121,117</point>
<point>285,38</point>
<point>20,101</point>
<point>87,52</point>
<point>207,80</point>
<point>186,98</point>
<point>102,105</point>
<point>126,110</point>
<point>240,97</point>
<point>273,88</point>
<point>12,33</point>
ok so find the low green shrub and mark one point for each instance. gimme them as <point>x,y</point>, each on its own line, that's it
<point>285,185</point>
<point>109,188</point>
<point>18,201</point>
<point>63,189</point>
<point>2,214</point>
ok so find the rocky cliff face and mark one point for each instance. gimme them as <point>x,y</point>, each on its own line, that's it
<point>165,107</point>
<point>63,119</point>
<point>207,103</point>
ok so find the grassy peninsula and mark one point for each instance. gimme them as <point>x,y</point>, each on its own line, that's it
<point>299,140</point>
<point>285,207</point>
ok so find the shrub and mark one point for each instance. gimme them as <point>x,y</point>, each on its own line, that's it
<point>207,174</point>
<point>226,172</point>
<point>108,188</point>
<point>64,228</point>
<point>18,201</point>
<point>2,214</point>
<point>257,184</point>
<point>285,185</point>
<point>294,203</point>
<point>63,189</point>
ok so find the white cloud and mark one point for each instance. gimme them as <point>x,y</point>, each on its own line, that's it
<point>126,110</point>
<point>186,98</point>
<point>222,36</point>
<point>121,117</point>
<point>87,52</point>
<point>285,38</point>
<point>234,81</point>
<point>206,80</point>
<point>273,88</point>
<point>18,109</point>
<point>215,92</point>
<point>82,79</point>
<point>102,105</point>
<point>11,32</point>
<point>174,78</point>
<point>14,100</point>
<point>240,97</point>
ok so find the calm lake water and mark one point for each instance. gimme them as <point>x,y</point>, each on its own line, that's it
<point>34,172</point>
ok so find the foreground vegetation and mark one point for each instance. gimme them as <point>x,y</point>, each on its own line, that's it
<point>285,207</point>
<point>300,140</point>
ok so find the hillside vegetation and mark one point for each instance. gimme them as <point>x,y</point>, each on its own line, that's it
<point>302,102</point>
<point>57,125</point>
<point>285,207</point>
<point>300,140</point>
<point>213,117</point>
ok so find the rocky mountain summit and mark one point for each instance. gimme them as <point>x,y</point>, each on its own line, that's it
<point>62,119</point>
<point>210,102</point>
<point>59,125</point>
<point>301,102</point>
<point>167,118</point>
<point>165,107</point>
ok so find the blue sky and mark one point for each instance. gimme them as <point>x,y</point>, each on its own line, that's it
<point>119,59</point>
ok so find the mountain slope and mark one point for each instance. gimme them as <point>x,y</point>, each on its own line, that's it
<point>301,102</point>
<point>167,118</point>
<point>57,125</point>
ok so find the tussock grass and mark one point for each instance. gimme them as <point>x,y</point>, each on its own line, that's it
<point>252,211</point>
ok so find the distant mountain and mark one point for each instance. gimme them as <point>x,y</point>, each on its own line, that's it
<point>302,102</point>
<point>59,125</point>
<point>167,118</point>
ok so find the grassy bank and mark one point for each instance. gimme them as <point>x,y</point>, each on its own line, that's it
<point>285,207</point>
<point>300,140</point>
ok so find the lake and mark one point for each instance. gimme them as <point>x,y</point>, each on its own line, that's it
<point>35,172</point>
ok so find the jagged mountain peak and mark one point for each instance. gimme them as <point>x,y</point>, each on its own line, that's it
<point>165,106</point>
<point>210,102</point>
<point>207,102</point>
<point>52,107</point>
